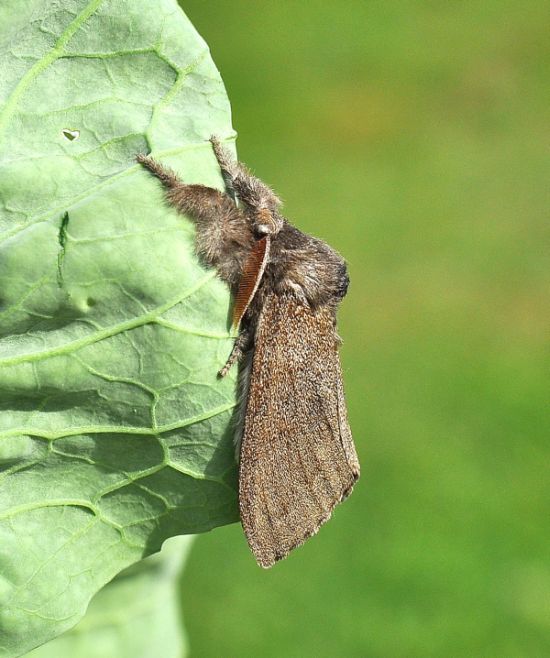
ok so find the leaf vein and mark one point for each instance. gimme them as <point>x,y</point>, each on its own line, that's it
<point>55,53</point>
<point>139,321</point>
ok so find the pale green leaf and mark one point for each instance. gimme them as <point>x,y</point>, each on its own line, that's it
<point>137,615</point>
<point>115,432</point>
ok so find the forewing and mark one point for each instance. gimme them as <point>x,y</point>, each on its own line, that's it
<point>297,455</point>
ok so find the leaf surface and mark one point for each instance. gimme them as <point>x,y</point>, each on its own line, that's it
<point>114,429</point>
<point>136,615</point>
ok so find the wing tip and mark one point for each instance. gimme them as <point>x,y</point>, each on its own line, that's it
<point>268,558</point>
<point>267,561</point>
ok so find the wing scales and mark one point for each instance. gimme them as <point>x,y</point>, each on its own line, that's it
<point>297,456</point>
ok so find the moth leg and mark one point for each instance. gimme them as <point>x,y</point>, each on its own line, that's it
<point>239,347</point>
<point>253,192</point>
<point>224,236</point>
<point>166,176</point>
<point>198,201</point>
<point>227,164</point>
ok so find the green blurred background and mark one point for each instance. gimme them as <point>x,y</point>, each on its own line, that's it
<point>413,137</point>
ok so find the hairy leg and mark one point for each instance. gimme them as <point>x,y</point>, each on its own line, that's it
<point>239,347</point>
<point>251,190</point>
<point>223,237</point>
<point>166,176</point>
<point>198,201</point>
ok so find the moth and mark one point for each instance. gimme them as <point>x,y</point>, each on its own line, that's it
<point>297,459</point>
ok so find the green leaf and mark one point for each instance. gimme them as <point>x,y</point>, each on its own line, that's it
<point>115,432</point>
<point>136,615</point>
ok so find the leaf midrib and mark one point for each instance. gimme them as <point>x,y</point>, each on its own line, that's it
<point>133,323</point>
<point>118,429</point>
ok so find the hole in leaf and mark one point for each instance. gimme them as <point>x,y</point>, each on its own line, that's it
<point>71,135</point>
<point>91,301</point>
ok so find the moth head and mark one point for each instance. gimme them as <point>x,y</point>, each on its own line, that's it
<point>267,221</point>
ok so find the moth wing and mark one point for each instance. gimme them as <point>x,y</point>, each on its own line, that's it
<point>297,456</point>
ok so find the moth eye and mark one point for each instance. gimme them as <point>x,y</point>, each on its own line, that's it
<point>71,135</point>
<point>266,223</point>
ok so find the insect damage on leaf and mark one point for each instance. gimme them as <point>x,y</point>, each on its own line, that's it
<point>71,135</point>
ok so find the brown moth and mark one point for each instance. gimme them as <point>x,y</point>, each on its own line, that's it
<point>297,458</point>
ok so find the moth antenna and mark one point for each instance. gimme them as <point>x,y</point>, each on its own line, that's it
<point>253,271</point>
